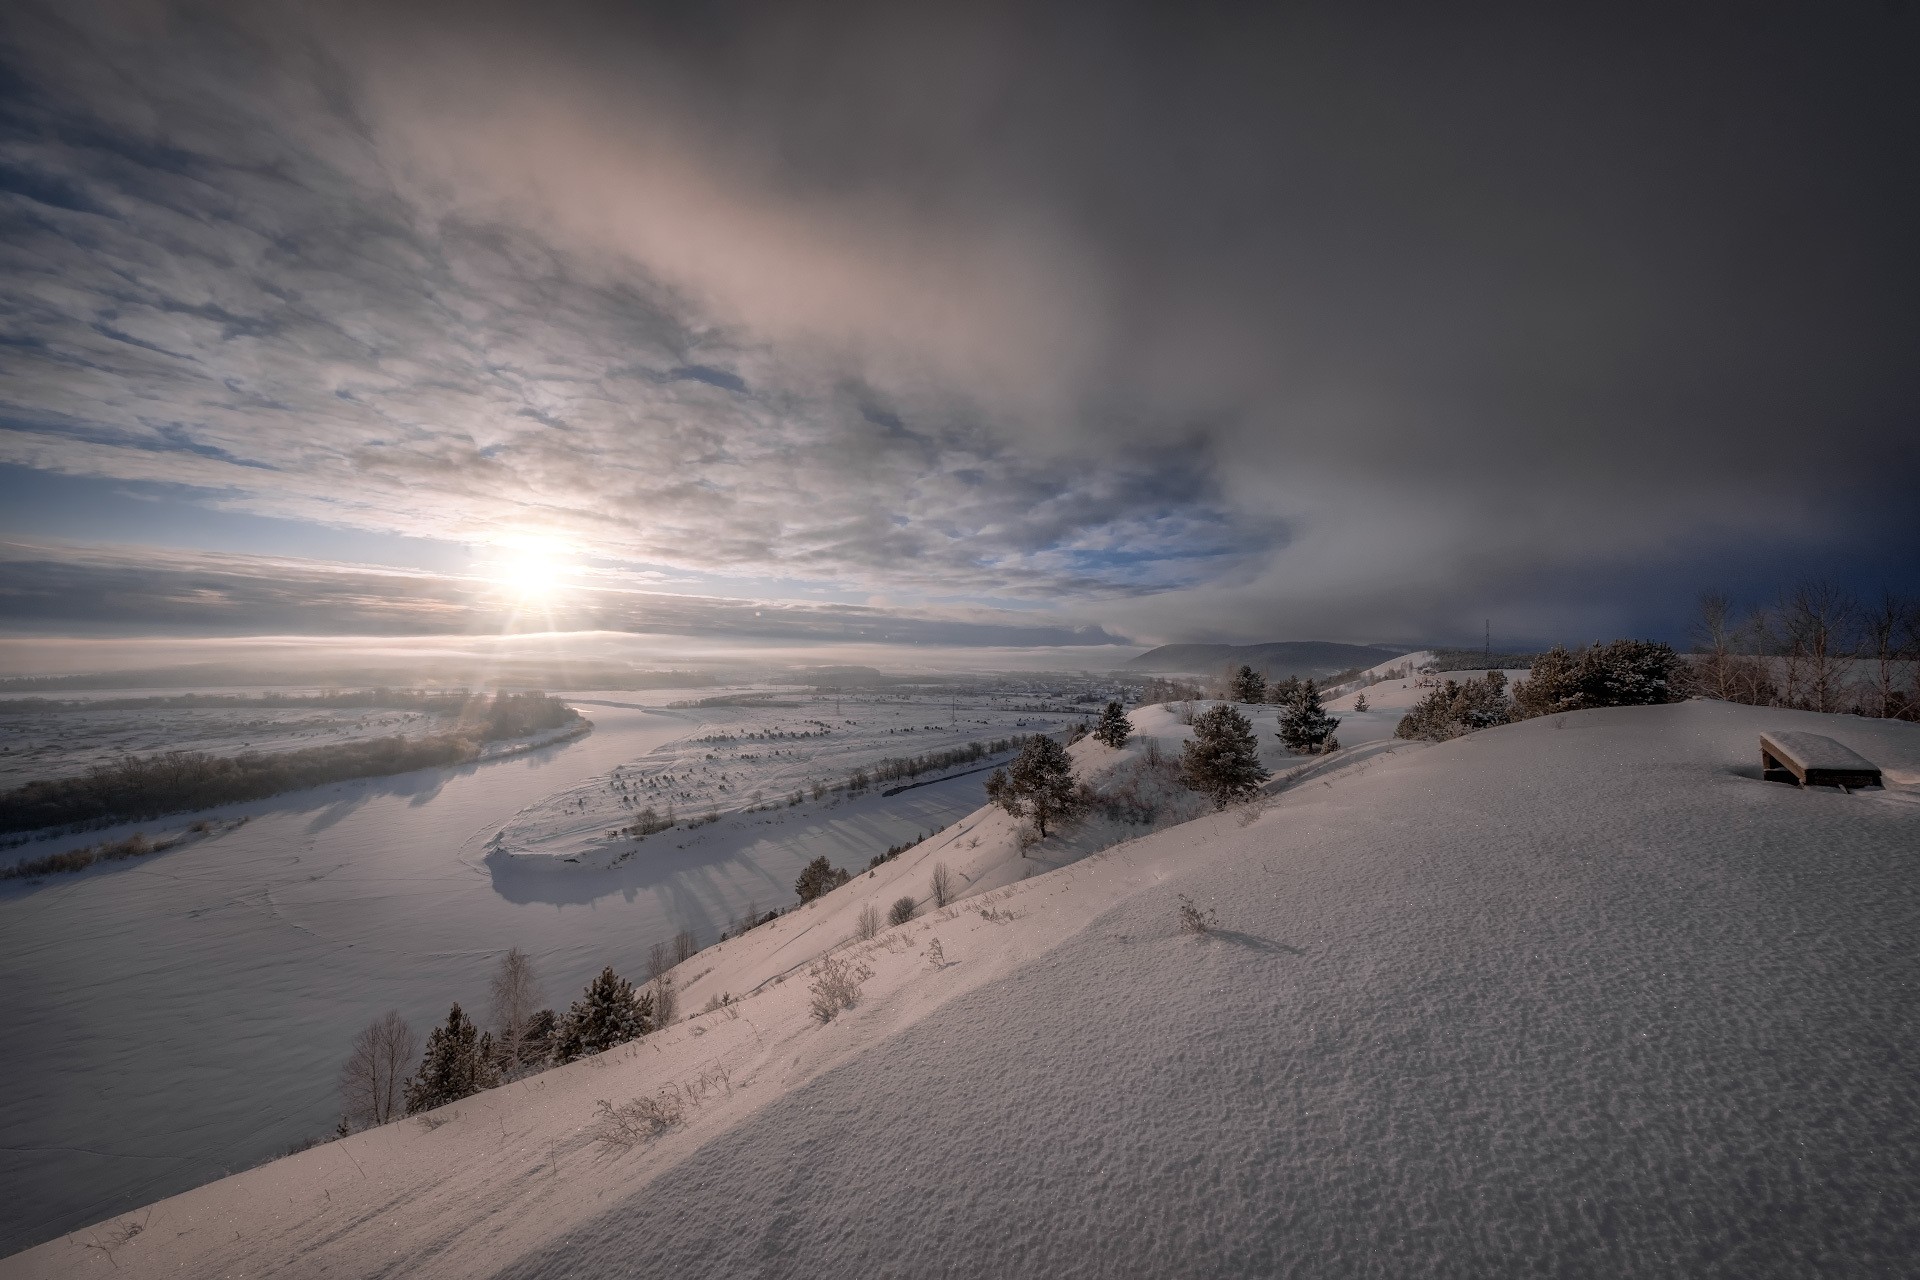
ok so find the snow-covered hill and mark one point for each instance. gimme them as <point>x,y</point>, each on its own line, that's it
<point>1581,995</point>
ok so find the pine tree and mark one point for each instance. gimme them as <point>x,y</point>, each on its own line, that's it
<point>817,877</point>
<point>611,1012</point>
<point>1621,673</point>
<point>1360,703</point>
<point>1455,709</point>
<point>1223,759</point>
<point>1281,692</point>
<point>1114,727</point>
<point>454,1066</point>
<point>1038,783</point>
<point>1248,685</point>
<point>1552,686</point>
<point>1304,724</point>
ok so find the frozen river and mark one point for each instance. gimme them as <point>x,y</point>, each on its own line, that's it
<point>173,1018</point>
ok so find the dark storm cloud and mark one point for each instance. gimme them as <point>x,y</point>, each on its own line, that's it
<point>1242,322</point>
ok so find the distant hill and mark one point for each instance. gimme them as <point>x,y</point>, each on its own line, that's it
<point>1277,659</point>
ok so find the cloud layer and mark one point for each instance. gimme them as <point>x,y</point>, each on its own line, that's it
<point>1269,325</point>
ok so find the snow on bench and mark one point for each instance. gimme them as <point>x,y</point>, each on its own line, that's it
<point>1813,760</point>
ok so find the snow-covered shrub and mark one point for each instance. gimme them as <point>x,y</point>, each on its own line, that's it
<point>1137,790</point>
<point>835,986</point>
<point>867,926</point>
<point>901,912</point>
<point>943,886</point>
<point>936,954</point>
<point>637,1121</point>
<point>1192,918</point>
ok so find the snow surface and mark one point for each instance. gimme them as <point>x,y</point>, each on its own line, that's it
<point>59,743</point>
<point>1577,996</point>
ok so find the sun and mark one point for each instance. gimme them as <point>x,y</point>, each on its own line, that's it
<point>531,569</point>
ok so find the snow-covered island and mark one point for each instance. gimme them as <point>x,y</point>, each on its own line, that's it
<point>1578,995</point>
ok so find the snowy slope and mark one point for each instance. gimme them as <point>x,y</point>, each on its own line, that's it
<point>1581,995</point>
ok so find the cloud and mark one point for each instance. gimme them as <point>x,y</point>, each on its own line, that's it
<point>1266,325</point>
<point>53,588</point>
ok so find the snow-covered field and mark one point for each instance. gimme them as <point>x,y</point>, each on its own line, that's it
<point>177,1016</point>
<point>59,743</point>
<point>1576,996</point>
<point>764,764</point>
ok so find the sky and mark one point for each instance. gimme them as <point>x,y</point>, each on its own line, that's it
<point>1032,327</point>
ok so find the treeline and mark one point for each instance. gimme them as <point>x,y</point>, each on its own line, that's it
<point>1479,660</point>
<point>381,1080</point>
<point>897,767</point>
<point>1817,648</point>
<point>1620,673</point>
<point>137,788</point>
<point>441,702</point>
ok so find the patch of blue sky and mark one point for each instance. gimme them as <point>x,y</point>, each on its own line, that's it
<point>39,504</point>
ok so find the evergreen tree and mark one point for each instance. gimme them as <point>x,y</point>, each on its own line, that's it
<point>1223,759</point>
<point>817,877</point>
<point>1038,783</point>
<point>1360,703</point>
<point>1114,727</point>
<point>1552,686</point>
<point>1629,673</point>
<point>1621,673</point>
<point>1282,692</point>
<point>1248,685</point>
<point>454,1066</point>
<point>611,1012</point>
<point>1455,709</point>
<point>1304,724</point>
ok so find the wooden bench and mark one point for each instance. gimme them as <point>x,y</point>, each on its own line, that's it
<point>1814,761</point>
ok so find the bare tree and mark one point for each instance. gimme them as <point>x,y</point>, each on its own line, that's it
<point>1888,634</point>
<point>659,960</point>
<point>666,1001</point>
<point>1819,620</point>
<point>371,1077</point>
<point>684,945</point>
<point>1713,641</point>
<point>1752,671</point>
<point>515,995</point>
<point>868,924</point>
<point>943,886</point>
<point>1909,706</point>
